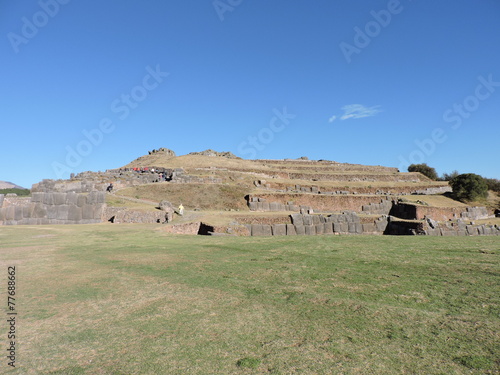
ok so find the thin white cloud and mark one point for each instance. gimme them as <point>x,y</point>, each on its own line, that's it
<point>332,119</point>
<point>353,111</point>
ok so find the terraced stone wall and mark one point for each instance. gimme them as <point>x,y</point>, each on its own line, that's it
<point>53,208</point>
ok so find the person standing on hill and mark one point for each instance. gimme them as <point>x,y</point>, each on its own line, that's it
<point>181,210</point>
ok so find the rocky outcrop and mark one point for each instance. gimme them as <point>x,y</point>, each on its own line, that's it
<point>212,153</point>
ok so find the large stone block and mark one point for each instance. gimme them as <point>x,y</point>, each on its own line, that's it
<point>320,228</point>
<point>310,230</point>
<point>37,197</point>
<point>381,224</point>
<point>336,218</point>
<point>471,230</point>
<point>359,228</point>
<point>18,213</point>
<point>48,198</point>
<point>39,210</point>
<point>75,213</point>
<point>316,219</point>
<point>307,219</point>
<point>2,197</point>
<point>351,227</point>
<point>279,229</point>
<point>71,198</point>
<point>297,219</point>
<point>51,212</point>
<point>290,230</point>
<point>28,211</point>
<point>340,227</point>
<point>300,230</point>
<point>328,228</point>
<point>253,206</point>
<point>59,198</point>
<point>62,212</point>
<point>369,228</point>
<point>267,230</point>
<point>81,200</point>
<point>87,212</point>
<point>294,207</point>
<point>92,197</point>
<point>261,230</point>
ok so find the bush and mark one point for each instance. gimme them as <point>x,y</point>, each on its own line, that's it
<point>469,187</point>
<point>19,192</point>
<point>424,169</point>
<point>449,176</point>
<point>493,184</point>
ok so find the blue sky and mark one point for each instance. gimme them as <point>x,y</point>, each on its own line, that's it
<point>92,85</point>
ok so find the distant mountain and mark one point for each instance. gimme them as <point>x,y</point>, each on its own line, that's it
<point>9,185</point>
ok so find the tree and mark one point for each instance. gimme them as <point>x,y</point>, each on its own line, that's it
<point>424,169</point>
<point>469,187</point>
<point>450,176</point>
<point>493,184</point>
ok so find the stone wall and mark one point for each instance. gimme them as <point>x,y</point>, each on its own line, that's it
<point>432,228</point>
<point>382,208</point>
<point>130,177</point>
<point>53,208</point>
<point>433,190</point>
<point>355,178</point>
<point>319,202</point>
<point>295,164</point>
<point>417,212</point>
<point>462,229</point>
<point>417,189</point>
<point>65,186</point>
<point>305,224</point>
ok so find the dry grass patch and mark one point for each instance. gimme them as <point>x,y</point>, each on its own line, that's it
<point>205,197</point>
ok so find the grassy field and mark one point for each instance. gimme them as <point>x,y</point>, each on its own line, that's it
<point>130,299</point>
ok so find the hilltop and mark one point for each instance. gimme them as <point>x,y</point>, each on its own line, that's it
<point>9,185</point>
<point>225,194</point>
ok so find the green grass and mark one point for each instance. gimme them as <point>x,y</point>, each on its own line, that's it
<point>129,299</point>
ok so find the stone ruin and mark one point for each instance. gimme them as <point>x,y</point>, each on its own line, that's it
<point>163,150</point>
<point>55,203</point>
<point>212,153</point>
<point>81,200</point>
